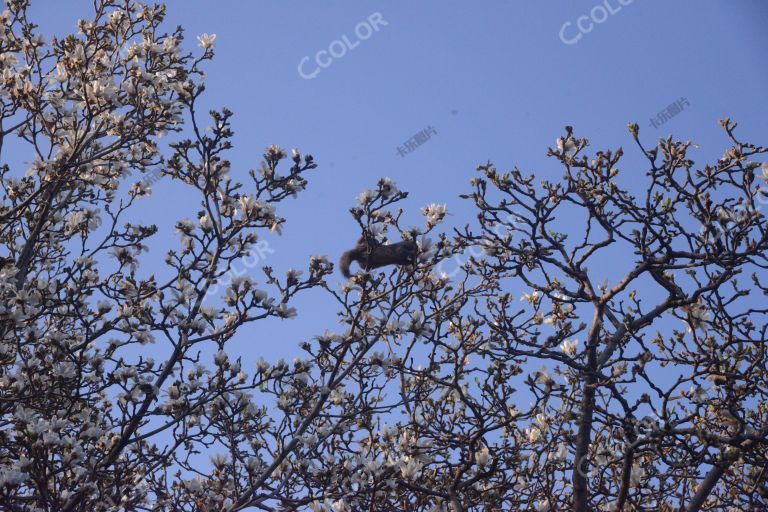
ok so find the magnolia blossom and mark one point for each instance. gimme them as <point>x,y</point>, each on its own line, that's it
<point>542,375</point>
<point>698,316</point>
<point>410,468</point>
<point>725,215</point>
<point>569,347</point>
<point>274,153</point>
<point>765,171</point>
<point>567,145</point>
<point>492,246</point>
<point>339,506</point>
<point>387,188</point>
<point>205,41</point>
<point>185,226</point>
<point>561,453</point>
<point>141,189</point>
<point>86,220</point>
<point>220,358</point>
<point>483,457</point>
<point>434,213</point>
<point>206,223</point>
<point>284,311</point>
<point>698,394</point>
<point>365,197</point>
<point>533,434</point>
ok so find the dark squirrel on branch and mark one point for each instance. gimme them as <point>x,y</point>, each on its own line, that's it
<point>370,254</point>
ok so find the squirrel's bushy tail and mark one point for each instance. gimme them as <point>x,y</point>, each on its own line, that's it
<point>344,262</point>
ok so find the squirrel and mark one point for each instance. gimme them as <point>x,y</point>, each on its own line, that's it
<point>370,254</point>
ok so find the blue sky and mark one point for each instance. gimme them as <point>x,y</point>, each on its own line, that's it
<point>493,79</point>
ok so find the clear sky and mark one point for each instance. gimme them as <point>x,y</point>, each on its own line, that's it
<point>494,80</point>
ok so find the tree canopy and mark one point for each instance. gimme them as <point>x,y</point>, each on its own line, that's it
<point>619,365</point>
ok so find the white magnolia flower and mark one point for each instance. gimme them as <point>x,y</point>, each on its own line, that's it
<point>569,347</point>
<point>483,457</point>
<point>698,394</point>
<point>206,223</point>
<point>103,306</point>
<point>220,358</point>
<point>339,506</point>
<point>293,274</point>
<point>61,73</point>
<point>101,89</point>
<point>185,226</point>
<point>725,215</point>
<point>247,204</point>
<point>262,365</point>
<point>491,246</point>
<point>86,220</point>
<point>337,397</point>
<point>372,466</point>
<point>698,316</point>
<point>24,415</point>
<point>283,311</point>
<point>274,153</point>
<point>533,434</point>
<point>566,145</point>
<point>365,197</point>
<point>205,41</point>
<point>435,213</point>
<point>170,44</point>
<point>195,485</point>
<point>141,189</point>
<point>387,188</point>
<point>561,453</point>
<point>765,171</point>
<point>541,376</point>
<point>410,469</point>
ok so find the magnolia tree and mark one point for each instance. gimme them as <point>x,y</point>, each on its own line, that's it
<point>591,343</point>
